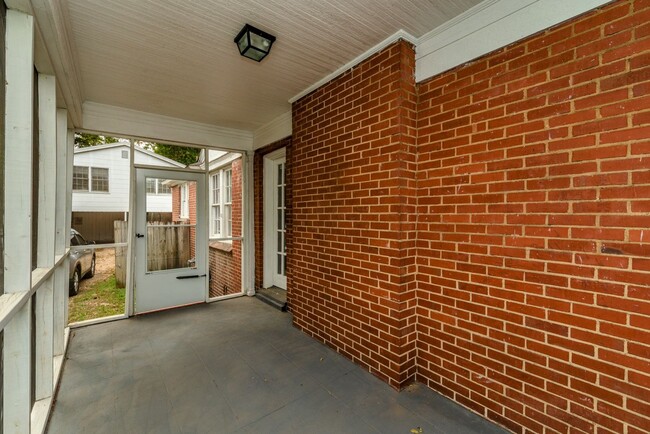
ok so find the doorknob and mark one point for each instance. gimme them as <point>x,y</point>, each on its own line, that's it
<point>139,236</point>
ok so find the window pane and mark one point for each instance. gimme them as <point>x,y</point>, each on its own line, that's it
<point>215,188</point>
<point>151,185</point>
<point>228,186</point>
<point>228,219</point>
<point>216,219</point>
<point>99,179</point>
<point>80,178</point>
<point>163,188</point>
<point>279,264</point>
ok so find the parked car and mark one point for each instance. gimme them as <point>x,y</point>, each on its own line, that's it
<point>82,261</point>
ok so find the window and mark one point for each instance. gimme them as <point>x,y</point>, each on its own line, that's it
<point>221,203</point>
<point>215,203</point>
<point>156,186</point>
<point>227,202</point>
<point>185,201</point>
<point>99,179</point>
<point>92,179</point>
<point>80,178</point>
<point>151,185</point>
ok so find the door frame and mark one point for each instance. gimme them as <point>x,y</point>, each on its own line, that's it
<point>269,224</point>
<point>200,177</point>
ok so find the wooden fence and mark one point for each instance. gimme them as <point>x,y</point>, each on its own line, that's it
<point>168,247</point>
<point>121,236</point>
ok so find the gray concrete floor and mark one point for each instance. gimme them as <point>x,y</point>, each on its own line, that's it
<point>235,366</point>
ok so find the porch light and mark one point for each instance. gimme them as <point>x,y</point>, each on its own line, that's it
<point>254,43</point>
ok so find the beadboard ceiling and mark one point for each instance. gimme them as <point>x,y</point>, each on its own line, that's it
<point>177,57</point>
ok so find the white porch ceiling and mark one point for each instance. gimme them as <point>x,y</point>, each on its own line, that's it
<point>177,58</point>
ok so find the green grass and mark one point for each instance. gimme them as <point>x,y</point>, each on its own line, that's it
<point>98,300</point>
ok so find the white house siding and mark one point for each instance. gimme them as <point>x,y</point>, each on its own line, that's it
<point>117,198</point>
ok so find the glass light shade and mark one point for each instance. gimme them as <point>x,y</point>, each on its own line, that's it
<point>254,43</point>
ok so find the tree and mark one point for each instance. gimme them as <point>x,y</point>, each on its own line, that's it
<point>85,140</point>
<point>182,154</point>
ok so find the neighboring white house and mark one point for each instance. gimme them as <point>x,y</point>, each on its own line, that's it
<point>100,188</point>
<point>100,180</point>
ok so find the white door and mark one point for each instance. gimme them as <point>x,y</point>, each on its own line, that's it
<point>275,243</point>
<point>170,243</point>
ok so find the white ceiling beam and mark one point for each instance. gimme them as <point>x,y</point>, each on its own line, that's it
<point>121,122</point>
<point>277,129</point>
<point>53,26</point>
<point>488,26</point>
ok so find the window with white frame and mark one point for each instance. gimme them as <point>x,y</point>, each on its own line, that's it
<point>221,203</point>
<point>157,186</point>
<point>91,179</point>
<point>185,201</point>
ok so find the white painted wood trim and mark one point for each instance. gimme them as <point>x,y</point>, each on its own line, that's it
<point>88,322</point>
<point>61,180</point>
<point>111,120</point>
<point>68,213</point>
<point>277,129</point>
<point>17,364</point>
<point>248,205</point>
<point>18,150</point>
<point>40,413</point>
<point>268,229</point>
<point>61,272</point>
<point>44,340</point>
<point>44,302</point>
<point>17,348</point>
<point>53,24</point>
<point>129,301</point>
<point>400,34</point>
<point>47,123</point>
<point>488,26</point>
<point>10,303</point>
<point>206,199</point>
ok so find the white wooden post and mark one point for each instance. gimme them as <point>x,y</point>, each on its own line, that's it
<point>248,220</point>
<point>130,247</point>
<point>44,301</point>
<point>17,348</point>
<point>62,232</point>
<point>68,210</point>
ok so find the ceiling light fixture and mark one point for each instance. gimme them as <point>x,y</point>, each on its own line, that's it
<point>254,43</point>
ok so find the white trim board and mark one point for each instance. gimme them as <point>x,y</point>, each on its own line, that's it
<point>488,26</point>
<point>277,129</point>
<point>122,122</point>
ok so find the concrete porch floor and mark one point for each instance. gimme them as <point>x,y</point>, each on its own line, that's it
<point>236,366</point>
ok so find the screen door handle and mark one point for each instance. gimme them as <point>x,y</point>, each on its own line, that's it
<point>139,236</point>
<point>191,276</point>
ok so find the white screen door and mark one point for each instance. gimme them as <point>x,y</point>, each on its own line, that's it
<point>170,243</point>
<point>275,242</point>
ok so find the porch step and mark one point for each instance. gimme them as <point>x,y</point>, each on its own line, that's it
<point>273,296</point>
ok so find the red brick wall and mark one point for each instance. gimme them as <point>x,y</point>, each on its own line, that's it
<point>530,270</point>
<point>534,255</point>
<point>351,264</point>
<point>225,259</point>
<point>258,174</point>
